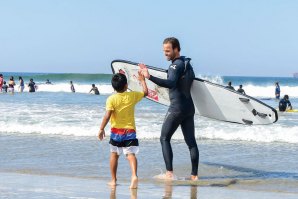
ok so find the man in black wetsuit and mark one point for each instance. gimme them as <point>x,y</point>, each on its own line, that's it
<point>181,111</point>
<point>285,104</point>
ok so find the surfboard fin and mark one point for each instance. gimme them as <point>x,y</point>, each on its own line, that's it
<point>247,121</point>
<point>262,115</point>
<point>245,100</point>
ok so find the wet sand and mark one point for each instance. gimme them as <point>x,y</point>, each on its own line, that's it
<point>16,185</point>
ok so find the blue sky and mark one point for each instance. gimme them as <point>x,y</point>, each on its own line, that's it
<point>223,37</point>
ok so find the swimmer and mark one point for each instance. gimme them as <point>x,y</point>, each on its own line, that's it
<point>31,86</point>
<point>94,89</point>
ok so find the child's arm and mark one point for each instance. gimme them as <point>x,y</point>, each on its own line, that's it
<point>105,120</point>
<point>143,83</point>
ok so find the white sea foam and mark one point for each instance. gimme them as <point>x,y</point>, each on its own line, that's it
<point>268,91</point>
<point>79,88</point>
<point>214,79</point>
<point>149,130</point>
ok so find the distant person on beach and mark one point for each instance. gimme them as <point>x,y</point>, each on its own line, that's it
<point>1,82</point>
<point>11,85</point>
<point>48,82</point>
<point>277,90</point>
<point>21,84</point>
<point>240,90</point>
<point>181,112</point>
<point>229,86</point>
<point>4,87</point>
<point>94,89</point>
<point>120,111</point>
<point>32,86</point>
<point>285,104</point>
<point>72,88</point>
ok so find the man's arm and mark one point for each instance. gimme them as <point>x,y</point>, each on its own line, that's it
<point>105,120</point>
<point>174,73</point>
<point>290,105</point>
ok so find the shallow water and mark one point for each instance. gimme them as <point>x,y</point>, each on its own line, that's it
<point>52,134</point>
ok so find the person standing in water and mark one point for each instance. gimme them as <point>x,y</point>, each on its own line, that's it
<point>94,89</point>
<point>21,85</point>
<point>31,86</point>
<point>72,88</point>
<point>277,91</point>
<point>11,85</point>
<point>1,82</point>
<point>181,111</point>
<point>241,90</point>
<point>120,109</point>
<point>4,87</point>
<point>229,86</point>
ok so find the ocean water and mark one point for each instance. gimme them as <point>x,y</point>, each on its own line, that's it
<point>53,133</point>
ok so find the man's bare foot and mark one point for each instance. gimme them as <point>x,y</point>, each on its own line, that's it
<point>170,175</point>
<point>134,182</point>
<point>112,183</point>
<point>194,178</point>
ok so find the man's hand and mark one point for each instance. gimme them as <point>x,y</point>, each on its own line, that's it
<point>101,134</point>
<point>144,70</point>
<point>141,77</point>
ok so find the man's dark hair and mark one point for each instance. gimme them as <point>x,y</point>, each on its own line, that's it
<point>118,82</point>
<point>240,86</point>
<point>174,41</point>
<point>93,85</point>
<point>286,97</point>
<point>230,83</point>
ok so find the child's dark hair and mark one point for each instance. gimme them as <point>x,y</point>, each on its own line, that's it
<point>118,82</point>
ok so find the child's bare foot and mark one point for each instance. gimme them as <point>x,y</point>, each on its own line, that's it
<point>134,182</point>
<point>112,183</point>
<point>194,178</point>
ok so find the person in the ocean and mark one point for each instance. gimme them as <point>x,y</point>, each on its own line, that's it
<point>94,89</point>
<point>1,82</point>
<point>32,86</point>
<point>229,86</point>
<point>21,84</point>
<point>277,90</point>
<point>11,85</point>
<point>48,82</point>
<point>181,111</point>
<point>4,87</point>
<point>120,112</point>
<point>285,104</point>
<point>72,88</point>
<point>241,90</point>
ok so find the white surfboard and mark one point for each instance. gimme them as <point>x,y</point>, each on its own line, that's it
<point>211,100</point>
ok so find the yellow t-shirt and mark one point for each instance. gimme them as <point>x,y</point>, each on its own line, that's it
<point>123,107</point>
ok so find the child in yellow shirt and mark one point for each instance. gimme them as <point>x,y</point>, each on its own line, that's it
<point>120,111</point>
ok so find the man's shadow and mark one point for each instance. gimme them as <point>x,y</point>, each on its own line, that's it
<point>133,193</point>
<point>168,192</point>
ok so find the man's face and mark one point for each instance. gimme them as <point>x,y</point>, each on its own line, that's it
<point>169,52</point>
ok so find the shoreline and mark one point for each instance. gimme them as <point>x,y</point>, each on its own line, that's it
<point>31,186</point>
